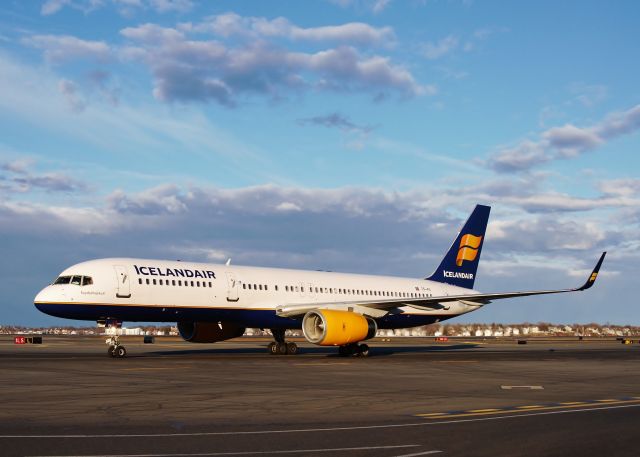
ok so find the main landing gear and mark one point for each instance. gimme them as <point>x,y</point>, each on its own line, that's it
<point>280,346</point>
<point>115,349</point>
<point>353,349</point>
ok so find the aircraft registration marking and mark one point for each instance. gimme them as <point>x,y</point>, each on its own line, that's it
<point>527,408</point>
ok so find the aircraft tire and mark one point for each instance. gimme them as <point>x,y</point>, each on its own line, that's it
<point>120,352</point>
<point>363,350</point>
<point>273,348</point>
<point>292,348</point>
<point>282,348</point>
<point>110,351</point>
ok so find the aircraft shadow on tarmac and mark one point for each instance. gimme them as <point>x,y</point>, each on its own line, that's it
<point>375,351</point>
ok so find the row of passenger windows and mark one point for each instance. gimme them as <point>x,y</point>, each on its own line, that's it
<point>264,287</point>
<point>174,282</point>
<point>333,290</point>
<point>76,280</point>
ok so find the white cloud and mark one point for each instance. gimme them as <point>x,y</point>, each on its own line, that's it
<point>570,140</point>
<point>232,24</point>
<point>62,48</point>
<point>287,206</point>
<point>190,70</point>
<point>126,8</point>
<point>21,178</point>
<point>565,142</point>
<point>53,6</point>
<point>440,48</point>
<point>623,187</point>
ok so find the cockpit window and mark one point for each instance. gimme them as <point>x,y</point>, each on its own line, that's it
<point>76,280</point>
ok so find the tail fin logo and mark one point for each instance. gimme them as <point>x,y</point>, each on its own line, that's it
<point>468,250</point>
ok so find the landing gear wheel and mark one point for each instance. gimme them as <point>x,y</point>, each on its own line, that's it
<point>120,352</point>
<point>110,351</point>
<point>356,350</point>
<point>292,348</point>
<point>273,348</point>
<point>282,348</point>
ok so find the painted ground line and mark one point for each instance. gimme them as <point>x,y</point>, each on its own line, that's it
<point>322,430</point>
<point>518,409</point>
<point>285,451</point>
<point>522,387</point>
<point>416,454</point>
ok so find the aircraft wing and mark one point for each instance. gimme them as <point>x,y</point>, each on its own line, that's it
<point>378,308</point>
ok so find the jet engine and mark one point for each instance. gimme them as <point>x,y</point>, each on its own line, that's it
<point>327,327</point>
<point>208,332</point>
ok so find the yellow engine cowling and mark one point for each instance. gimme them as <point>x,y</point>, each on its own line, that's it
<point>327,327</point>
<point>208,332</point>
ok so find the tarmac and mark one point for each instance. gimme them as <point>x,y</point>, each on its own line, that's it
<point>410,397</point>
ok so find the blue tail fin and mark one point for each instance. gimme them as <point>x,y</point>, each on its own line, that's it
<point>460,264</point>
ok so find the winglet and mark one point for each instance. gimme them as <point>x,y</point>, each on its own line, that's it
<point>594,274</point>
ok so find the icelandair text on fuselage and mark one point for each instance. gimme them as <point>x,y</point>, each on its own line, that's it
<point>456,274</point>
<point>176,272</point>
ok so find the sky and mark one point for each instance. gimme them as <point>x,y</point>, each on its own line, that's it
<point>343,135</point>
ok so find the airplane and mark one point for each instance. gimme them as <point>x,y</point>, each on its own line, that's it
<point>213,302</point>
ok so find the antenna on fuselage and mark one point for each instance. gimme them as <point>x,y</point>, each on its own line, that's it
<point>228,262</point>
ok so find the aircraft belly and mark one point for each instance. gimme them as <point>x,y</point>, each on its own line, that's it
<point>245,317</point>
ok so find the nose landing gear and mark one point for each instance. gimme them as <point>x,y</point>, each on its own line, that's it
<point>115,349</point>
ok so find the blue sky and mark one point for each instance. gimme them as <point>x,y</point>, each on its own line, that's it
<point>350,135</point>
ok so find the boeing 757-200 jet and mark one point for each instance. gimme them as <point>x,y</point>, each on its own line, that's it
<point>213,302</point>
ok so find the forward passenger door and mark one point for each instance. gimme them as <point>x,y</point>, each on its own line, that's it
<point>123,289</point>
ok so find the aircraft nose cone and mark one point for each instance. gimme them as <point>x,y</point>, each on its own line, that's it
<point>42,296</point>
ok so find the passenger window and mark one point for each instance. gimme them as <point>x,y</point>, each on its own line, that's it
<point>197,283</point>
<point>210,284</point>
<point>265,287</point>
<point>244,286</point>
<point>147,281</point>
<point>179,282</point>
<point>160,281</point>
<point>276,288</point>
<point>192,284</point>
<point>260,286</point>
<point>173,282</point>
<point>297,289</point>
<point>139,280</point>
<point>154,282</point>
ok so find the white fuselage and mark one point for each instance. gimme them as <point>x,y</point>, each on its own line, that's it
<point>169,291</point>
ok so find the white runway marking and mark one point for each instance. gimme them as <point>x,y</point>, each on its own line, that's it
<point>419,453</point>
<point>522,387</point>
<point>286,451</point>
<point>318,430</point>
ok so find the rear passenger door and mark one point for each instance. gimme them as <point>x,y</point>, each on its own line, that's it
<point>232,287</point>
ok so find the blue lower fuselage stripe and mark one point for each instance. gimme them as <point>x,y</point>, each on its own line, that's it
<point>251,318</point>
